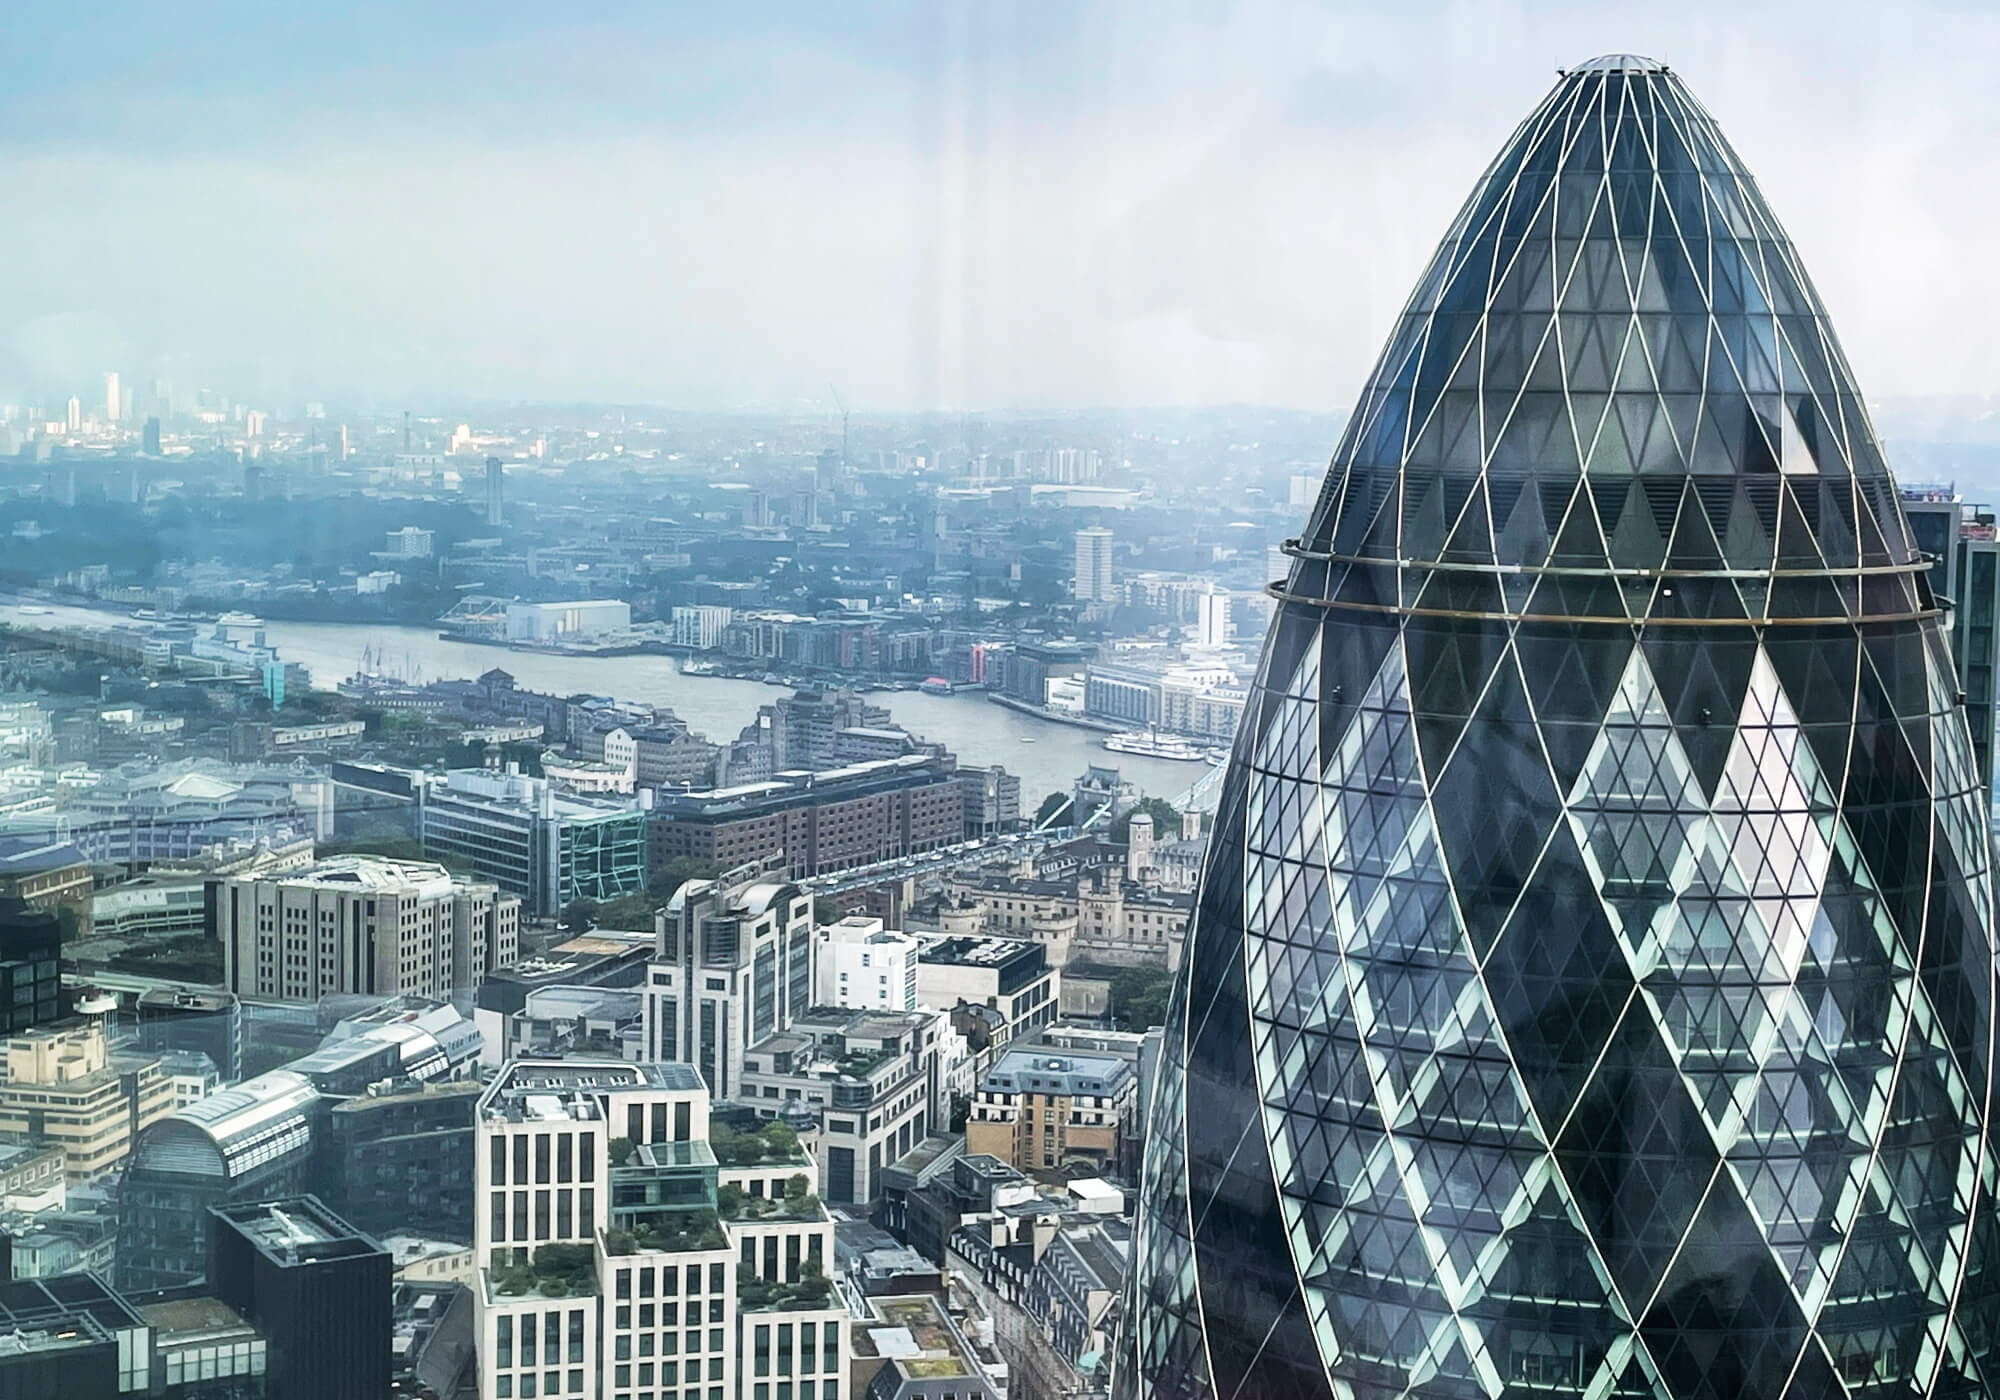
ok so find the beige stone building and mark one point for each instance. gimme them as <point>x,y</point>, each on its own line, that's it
<point>362,924</point>
<point>1039,1110</point>
<point>64,1090</point>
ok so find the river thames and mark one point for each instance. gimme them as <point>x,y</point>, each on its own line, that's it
<point>1046,755</point>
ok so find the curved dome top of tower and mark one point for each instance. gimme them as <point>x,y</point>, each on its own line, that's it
<point>1614,360</point>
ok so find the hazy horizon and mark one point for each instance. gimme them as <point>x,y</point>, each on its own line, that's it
<point>931,208</point>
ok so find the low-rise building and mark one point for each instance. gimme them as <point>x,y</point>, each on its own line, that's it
<point>1094,916</point>
<point>908,1348</point>
<point>64,1089</point>
<point>1043,1110</point>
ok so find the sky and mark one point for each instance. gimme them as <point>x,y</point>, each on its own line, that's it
<point>1028,207</point>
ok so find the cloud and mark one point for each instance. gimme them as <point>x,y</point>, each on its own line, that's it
<point>934,206</point>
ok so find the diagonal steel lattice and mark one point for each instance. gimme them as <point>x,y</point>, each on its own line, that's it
<point>1591,986</point>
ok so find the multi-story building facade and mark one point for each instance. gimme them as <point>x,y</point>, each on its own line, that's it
<point>545,847</point>
<point>271,1136</point>
<point>1092,917</point>
<point>1092,575</point>
<point>1039,1109</point>
<point>64,1089</point>
<point>1013,976</point>
<point>363,924</point>
<point>877,1080</point>
<point>863,966</point>
<point>992,800</point>
<point>1964,550</point>
<point>617,1260</point>
<point>813,823</point>
<point>732,966</point>
<point>700,625</point>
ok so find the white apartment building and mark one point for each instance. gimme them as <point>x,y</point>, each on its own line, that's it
<point>701,625</point>
<point>617,1261</point>
<point>865,967</point>
<point>733,965</point>
<point>361,924</point>
<point>1093,566</point>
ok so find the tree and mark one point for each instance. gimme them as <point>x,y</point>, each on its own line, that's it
<point>1166,821</point>
<point>580,915</point>
<point>1139,997</point>
<point>1051,804</point>
<point>797,1188</point>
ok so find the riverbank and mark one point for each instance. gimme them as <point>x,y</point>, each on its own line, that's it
<point>1043,712</point>
<point>1046,755</point>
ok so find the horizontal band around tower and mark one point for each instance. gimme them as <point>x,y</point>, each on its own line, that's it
<point>1284,595</point>
<point>1296,550</point>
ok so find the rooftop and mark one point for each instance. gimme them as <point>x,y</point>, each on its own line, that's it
<point>297,1230</point>
<point>1058,1072</point>
<point>373,874</point>
<point>1621,63</point>
<point>983,951</point>
<point>915,1334</point>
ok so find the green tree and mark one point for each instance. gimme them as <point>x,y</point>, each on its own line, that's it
<point>1139,997</point>
<point>580,915</point>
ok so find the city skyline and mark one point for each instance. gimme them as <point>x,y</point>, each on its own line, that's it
<point>931,209</point>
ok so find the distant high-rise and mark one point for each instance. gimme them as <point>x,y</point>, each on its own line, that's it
<point>1093,565</point>
<point>75,414</point>
<point>495,477</point>
<point>114,403</point>
<point>1590,991</point>
<point>1212,619</point>
<point>150,440</point>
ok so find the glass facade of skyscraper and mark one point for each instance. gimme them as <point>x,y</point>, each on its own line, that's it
<point>1592,981</point>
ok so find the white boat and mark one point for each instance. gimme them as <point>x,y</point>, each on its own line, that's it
<point>1152,744</point>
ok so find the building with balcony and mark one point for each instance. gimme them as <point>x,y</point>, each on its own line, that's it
<point>618,1258</point>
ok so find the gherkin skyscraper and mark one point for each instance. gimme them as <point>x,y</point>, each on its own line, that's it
<point>1591,987</point>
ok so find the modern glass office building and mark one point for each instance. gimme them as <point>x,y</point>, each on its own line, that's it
<point>1591,991</point>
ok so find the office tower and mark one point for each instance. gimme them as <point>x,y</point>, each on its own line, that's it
<point>1093,566</point>
<point>318,1290</point>
<point>549,848</point>
<point>149,441</point>
<point>1591,983</point>
<point>113,403</point>
<point>733,964</point>
<point>363,924</point>
<point>75,414</point>
<point>496,476</point>
<point>30,965</point>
